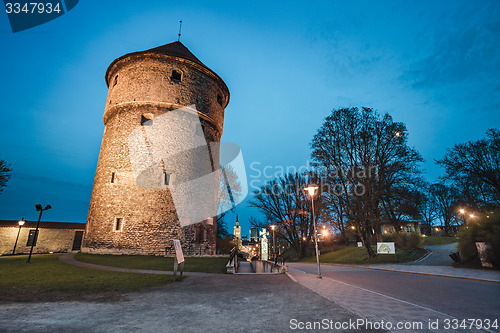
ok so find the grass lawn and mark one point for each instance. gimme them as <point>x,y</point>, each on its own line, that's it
<point>45,273</point>
<point>357,255</point>
<point>191,264</point>
<point>439,240</point>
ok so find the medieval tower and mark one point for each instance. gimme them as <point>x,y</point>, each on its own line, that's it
<point>132,208</point>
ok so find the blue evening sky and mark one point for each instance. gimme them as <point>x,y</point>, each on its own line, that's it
<point>434,65</point>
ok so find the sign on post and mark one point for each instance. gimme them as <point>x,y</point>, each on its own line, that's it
<point>179,257</point>
<point>484,251</point>
<point>386,248</point>
<point>263,245</point>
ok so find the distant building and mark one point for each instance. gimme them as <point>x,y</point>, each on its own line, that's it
<point>52,236</point>
<point>237,233</point>
<point>254,234</point>
<point>406,226</point>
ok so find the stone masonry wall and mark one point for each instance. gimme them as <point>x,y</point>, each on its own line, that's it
<point>49,240</point>
<point>148,218</point>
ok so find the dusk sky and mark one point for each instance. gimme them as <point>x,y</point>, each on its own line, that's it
<point>434,65</point>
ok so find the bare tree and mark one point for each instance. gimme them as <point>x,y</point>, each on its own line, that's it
<point>427,208</point>
<point>474,168</point>
<point>284,203</point>
<point>365,158</point>
<point>5,173</point>
<point>445,198</point>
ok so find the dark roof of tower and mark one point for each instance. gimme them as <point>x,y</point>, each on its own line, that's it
<point>175,49</point>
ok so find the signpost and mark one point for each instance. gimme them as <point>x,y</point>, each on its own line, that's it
<point>179,258</point>
<point>263,245</point>
<point>386,248</point>
<point>484,250</point>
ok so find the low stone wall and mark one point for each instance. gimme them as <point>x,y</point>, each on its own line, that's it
<point>49,240</point>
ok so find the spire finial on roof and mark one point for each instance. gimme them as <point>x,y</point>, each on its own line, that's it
<point>180,27</point>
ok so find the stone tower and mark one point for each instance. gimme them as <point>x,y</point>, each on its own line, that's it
<point>130,213</point>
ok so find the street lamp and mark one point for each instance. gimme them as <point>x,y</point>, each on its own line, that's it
<point>38,209</point>
<point>274,242</point>
<point>312,192</point>
<point>21,223</point>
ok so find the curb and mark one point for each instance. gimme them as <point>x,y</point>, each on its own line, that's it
<point>431,274</point>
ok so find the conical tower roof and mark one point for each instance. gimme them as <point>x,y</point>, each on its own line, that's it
<point>174,49</point>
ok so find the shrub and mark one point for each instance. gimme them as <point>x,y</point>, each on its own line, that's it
<point>485,229</point>
<point>404,240</point>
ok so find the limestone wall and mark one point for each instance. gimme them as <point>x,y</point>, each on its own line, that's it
<point>49,240</point>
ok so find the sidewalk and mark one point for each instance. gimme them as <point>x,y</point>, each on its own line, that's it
<point>69,258</point>
<point>446,271</point>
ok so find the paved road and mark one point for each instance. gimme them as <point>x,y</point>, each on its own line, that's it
<point>401,296</point>
<point>439,255</point>
<point>210,303</point>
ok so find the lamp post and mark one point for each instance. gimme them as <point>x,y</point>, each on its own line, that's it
<point>274,242</point>
<point>21,223</point>
<point>38,209</point>
<point>312,192</point>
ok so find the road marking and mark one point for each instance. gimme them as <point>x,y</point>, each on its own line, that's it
<point>424,257</point>
<point>402,301</point>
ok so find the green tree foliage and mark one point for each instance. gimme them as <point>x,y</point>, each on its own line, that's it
<point>485,229</point>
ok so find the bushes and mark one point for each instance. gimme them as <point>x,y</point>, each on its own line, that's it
<point>404,240</point>
<point>485,229</point>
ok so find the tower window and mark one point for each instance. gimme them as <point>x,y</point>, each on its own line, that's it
<point>176,76</point>
<point>115,82</point>
<point>219,99</point>
<point>166,178</point>
<point>146,121</point>
<point>118,224</point>
<point>113,176</point>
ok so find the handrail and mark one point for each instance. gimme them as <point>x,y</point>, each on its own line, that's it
<point>234,256</point>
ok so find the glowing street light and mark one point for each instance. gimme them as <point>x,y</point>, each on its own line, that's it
<point>20,223</point>
<point>312,192</point>
<point>464,214</point>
